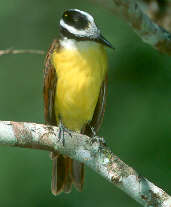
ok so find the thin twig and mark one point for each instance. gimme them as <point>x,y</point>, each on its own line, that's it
<point>11,51</point>
<point>93,152</point>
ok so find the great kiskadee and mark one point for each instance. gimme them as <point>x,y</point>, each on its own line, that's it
<point>75,82</point>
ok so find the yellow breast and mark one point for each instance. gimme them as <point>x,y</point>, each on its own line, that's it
<point>80,69</point>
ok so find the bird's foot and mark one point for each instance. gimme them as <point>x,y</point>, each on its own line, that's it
<point>96,138</point>
<point>62,131</point>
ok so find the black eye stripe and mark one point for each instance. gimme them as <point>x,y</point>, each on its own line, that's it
<point>75,19</point>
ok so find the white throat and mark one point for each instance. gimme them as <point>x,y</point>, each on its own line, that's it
<point>73,44</point>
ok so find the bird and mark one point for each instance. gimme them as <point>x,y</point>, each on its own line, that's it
<point>75,84</point>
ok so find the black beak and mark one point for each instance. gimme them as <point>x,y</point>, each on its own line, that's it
<point>103,41</point>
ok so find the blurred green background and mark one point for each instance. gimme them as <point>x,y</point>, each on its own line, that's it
<point>137,124</point>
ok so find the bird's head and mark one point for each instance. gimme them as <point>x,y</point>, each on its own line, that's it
<point>80,25</point>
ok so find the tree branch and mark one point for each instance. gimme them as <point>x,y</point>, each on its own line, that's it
<point>159,11</point>
<point>93,152</point>
<point>147,30</point>
<point>11,51</point>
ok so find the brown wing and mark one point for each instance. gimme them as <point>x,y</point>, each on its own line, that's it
<point>50,81</point>
<point>99,111</point>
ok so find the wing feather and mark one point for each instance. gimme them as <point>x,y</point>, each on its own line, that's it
<point>49,90</point>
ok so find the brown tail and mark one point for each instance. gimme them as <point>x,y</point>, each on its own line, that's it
<point>66,171</point>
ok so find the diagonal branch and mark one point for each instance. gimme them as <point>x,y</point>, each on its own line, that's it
<point>159,11</point>
<point>93,152</point>
<point>147,30</point>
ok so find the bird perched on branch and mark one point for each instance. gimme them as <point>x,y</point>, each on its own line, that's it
<point>75,82</point>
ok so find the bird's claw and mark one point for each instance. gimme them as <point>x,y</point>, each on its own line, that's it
<point>62,131</point>
<point>98,139</point>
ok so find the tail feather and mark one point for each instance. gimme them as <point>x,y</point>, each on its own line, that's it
<point>66,171</point>
<point>58,174</point>
<point>78,174</point>
<point>54,177</point>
